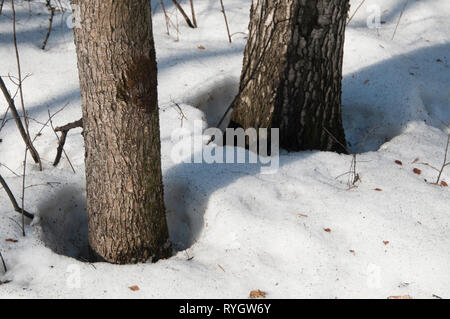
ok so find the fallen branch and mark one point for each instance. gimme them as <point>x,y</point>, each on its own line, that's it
<point>23,133</point>
<point>13,200</point>
<point>185,16</point>
<point>62,140</point>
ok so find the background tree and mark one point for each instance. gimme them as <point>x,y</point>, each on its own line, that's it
<point>118,79</point>
<point>292,72</point>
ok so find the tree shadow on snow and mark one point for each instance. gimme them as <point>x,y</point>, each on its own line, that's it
<point>63,218</point>
<point>393,98</point>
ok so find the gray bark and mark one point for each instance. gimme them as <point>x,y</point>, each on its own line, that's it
<point>292,72</point>
<point>118,80</point>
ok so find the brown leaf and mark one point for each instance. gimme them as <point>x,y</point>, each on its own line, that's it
<point>134,288</point>
<point>398,162</point>
<point>327,230</point>
<point>378,189</point>
<point>201,47</point>
<point>386,242</point>
<point>11,240</point>
<point>444,183</point>
<point>352,251</point>
<point>417,171</point>
<point>416,160</point>
<point>301,215</point>
<point>5,282</point>
<point>400,297</point>
<point>257,294</point>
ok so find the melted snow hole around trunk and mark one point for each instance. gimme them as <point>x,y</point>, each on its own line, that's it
<point>63,223</point>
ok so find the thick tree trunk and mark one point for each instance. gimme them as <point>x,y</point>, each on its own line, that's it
<point>117,70</point>
<point>292,72</point>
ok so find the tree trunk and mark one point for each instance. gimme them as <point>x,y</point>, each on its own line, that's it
<point>292,72</point>
<point>118,80</point>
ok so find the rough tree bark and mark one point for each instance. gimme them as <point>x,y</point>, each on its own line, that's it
<point>118,80</point>
<point>292,72</point>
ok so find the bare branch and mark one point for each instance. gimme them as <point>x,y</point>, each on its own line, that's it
<point>23,133</point>
<point>185,16</point>
<point>13,200</point>
<point>399,18</point>
<point>62,140</point>
<point>194,20</point>
<point>357,8</point>
<point>226,21</point>
<point>50,23</point>
<point>29,144</point>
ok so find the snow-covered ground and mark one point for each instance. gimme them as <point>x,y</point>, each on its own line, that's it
<point>294,234</point>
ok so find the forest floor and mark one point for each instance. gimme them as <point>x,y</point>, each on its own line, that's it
<point>298,233</point>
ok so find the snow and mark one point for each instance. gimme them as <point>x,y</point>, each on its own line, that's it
<point>234,229</point>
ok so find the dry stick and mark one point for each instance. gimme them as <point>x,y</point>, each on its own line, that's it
<point>13,200</point>
<point>185,16</point>
<point>52,13</point>
<point>194,20</point>
<point>64,130</point>
<point>23,133</point>
<point>161,2</point>
<point>399,18</point>
<point>226,21</point>
<point>33,151</point>
<point>1,6</point>
<point>359,6</point>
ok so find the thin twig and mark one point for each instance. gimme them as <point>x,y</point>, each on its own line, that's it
<point>359,6</point>
<point>23,189</point>
<point>52,13</point>
<point>185,16</point>
<point>165,15</point>
<point>226,21</point>
<point>23,133</point>
<point>1,6</point>
<point>399,18</point>
<point>194,20</point>
<point>445,163</point>
<point>33,151</point>
<point>13,200</point>
<point>60,142</point>
<point>9,169</point>
<point>1,256</point>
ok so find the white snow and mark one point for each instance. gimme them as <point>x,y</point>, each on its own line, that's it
<point>236,230</point>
